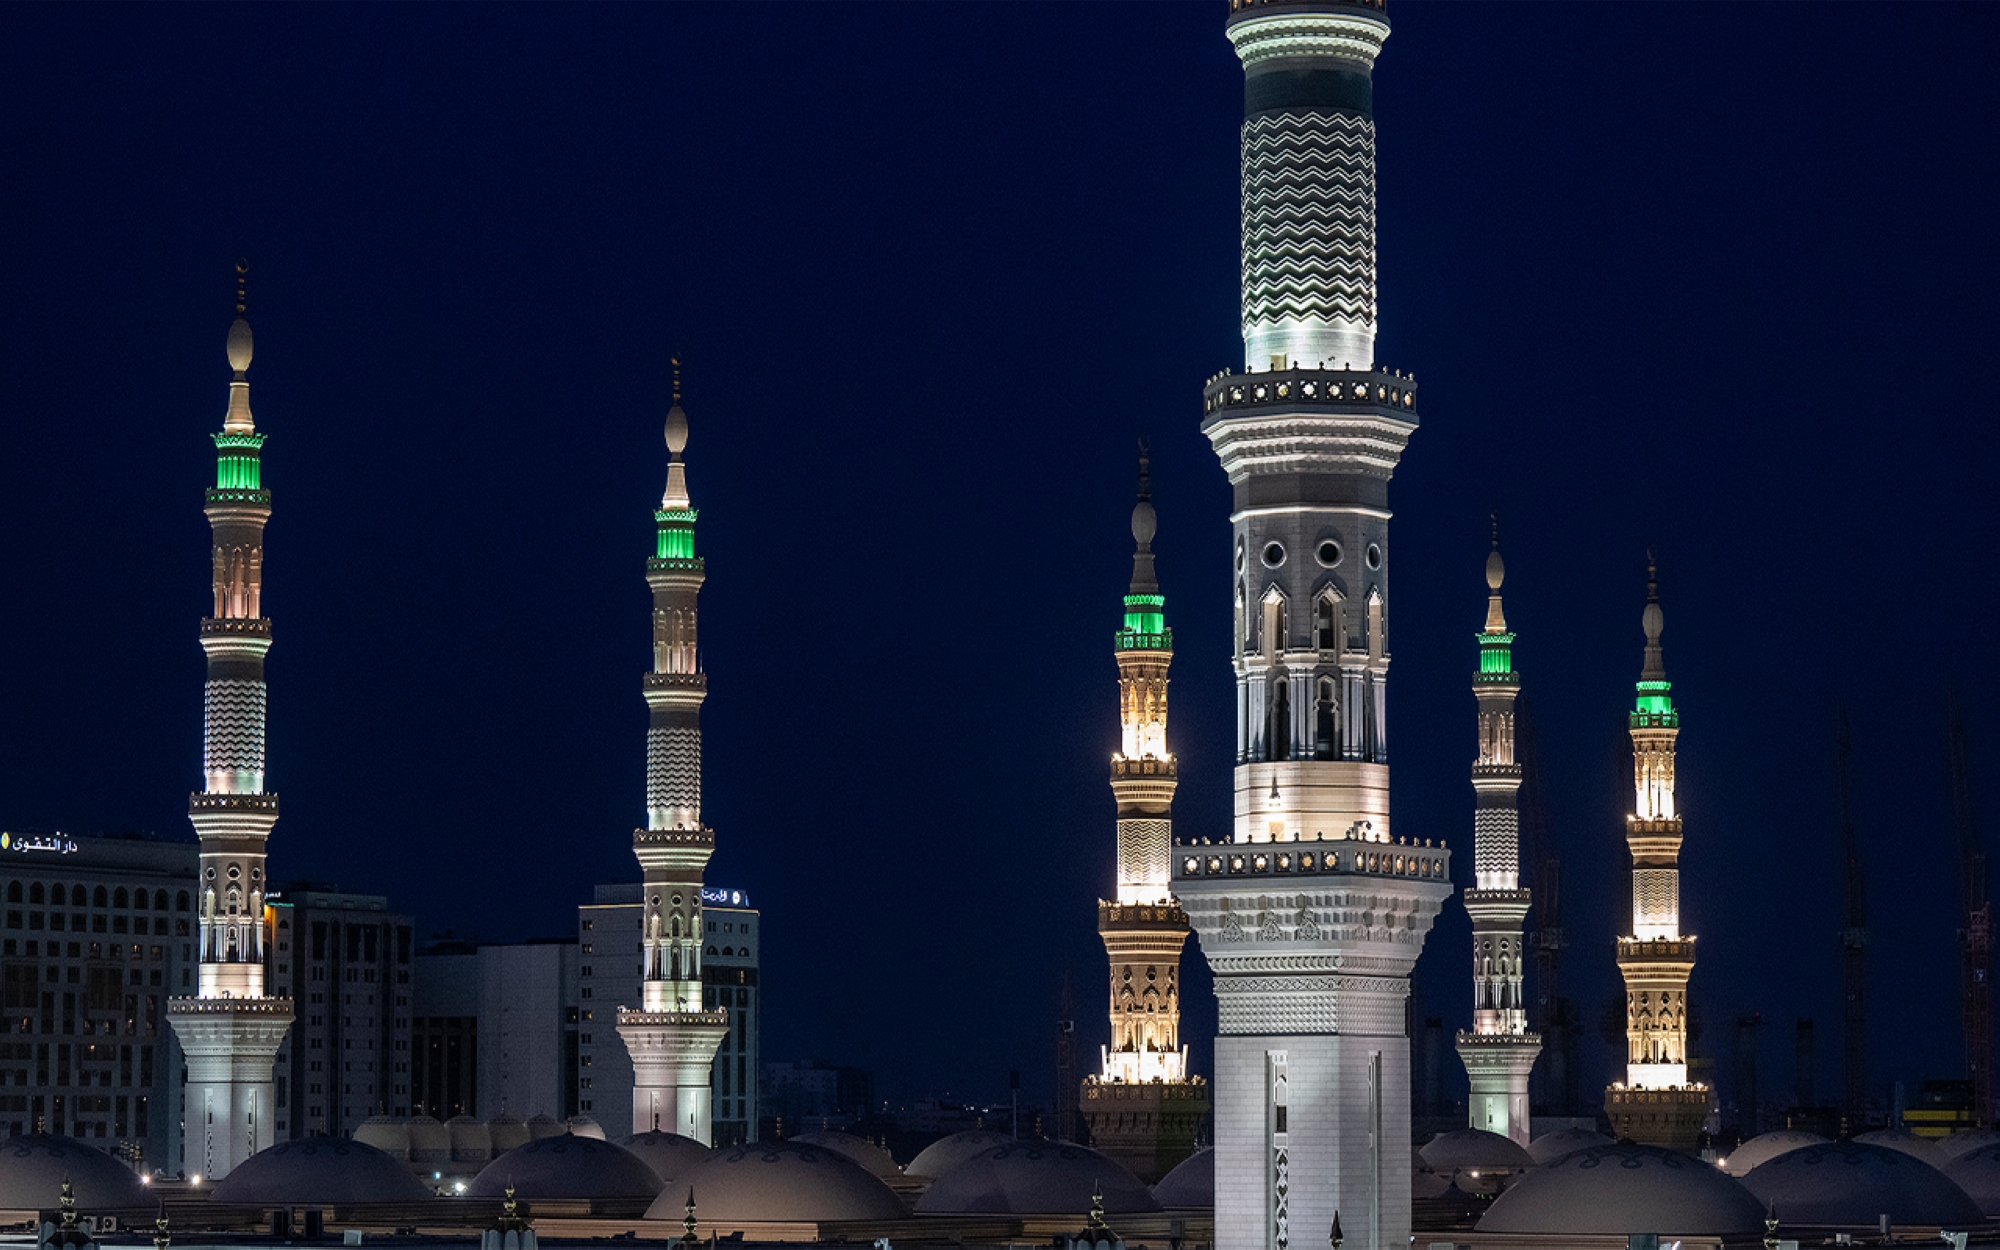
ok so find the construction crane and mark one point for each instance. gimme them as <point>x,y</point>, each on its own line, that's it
<point>1853,940</point>
<point>1975,939</point>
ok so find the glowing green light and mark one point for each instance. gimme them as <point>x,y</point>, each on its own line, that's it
<point>236,465</point>
<point>1654,702</point>
<point>1496,659</point>
<point>676,533</point>
<point>1145,615</point>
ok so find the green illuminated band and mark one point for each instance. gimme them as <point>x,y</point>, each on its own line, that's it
<point>1654,707</point>
<point>236,465</point>
<point>676,533</point>
<point>1145,614</point>
<point>1496,657</point>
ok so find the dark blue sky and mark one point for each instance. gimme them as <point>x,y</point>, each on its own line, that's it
<point>1715,279</point>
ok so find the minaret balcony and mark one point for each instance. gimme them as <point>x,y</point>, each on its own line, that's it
<point>674,564</point>
<point>1339,391</point>
<point>1311,859</point>
<point>1309,420</point>
<point>1141,916</point>
<point>1145,766</point>
<point>232,803</point>
<point>239,626</point>
<point>229,497</point>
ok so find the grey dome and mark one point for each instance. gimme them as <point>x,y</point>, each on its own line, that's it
<point>319,1169</point>
<point>946,1153</point>
<point>860,1149</point>
<point>577,1169</point>
<point>430,1144</point>
<point>387,1133</point>
<point>584,1126</point>
<point>1909,1143</point>
<point>1852,1184</point>
<point>507,1132</point>
<point>668,1154</point>
<point>1191,1185</point>
<point>1474,1149</point>
<point>470,1140</point>
<point>34,1166</point>
<point>1624,1189</point>
<point>1767,1146</point>
<point>1967,1140</point>
<point>543,1125</point>
<point>1036,1178</point>
<point>1977,1172</point>
<point>778,1181</point>
<point>1552,1146</point>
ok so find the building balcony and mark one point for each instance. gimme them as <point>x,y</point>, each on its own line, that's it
<point>1331,390</point>
<point>1311,859</point>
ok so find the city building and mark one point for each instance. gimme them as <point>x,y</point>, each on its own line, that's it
<point>344,960</point>
<point>1143,1109</point>
<point>444,1030</point>
<point>1656,1104</point>
<point>801,1096</point>
<point>669,1036</point>
<point>1313,913</point>
<point>99,931</point>
<point>609,935</point>
<point>1498,1052</point>
<point>496,1030</point>
<point>229,1028</point>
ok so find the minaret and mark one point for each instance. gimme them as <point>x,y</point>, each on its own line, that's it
<point>1499,1052</point>
<point>230,1032</point>
<point>671,1039</point>
<point>1314,914</point>
<point>1142,1108</point>
<point>1655,1104</point>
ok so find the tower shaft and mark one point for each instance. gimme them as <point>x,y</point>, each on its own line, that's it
<point>1312,917</point>
<point>1655,1104</point>
<point>1498,1052</point>
<point>229,1030</point>
<point>671,1038</point>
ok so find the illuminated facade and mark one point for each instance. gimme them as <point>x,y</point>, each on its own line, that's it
<point>1313,914</point>
<point>1655,1104</point>
<point>1498,1052</point>
<point>1142,1108</point>
<point>671,1037</point>
<point>230,1030</point>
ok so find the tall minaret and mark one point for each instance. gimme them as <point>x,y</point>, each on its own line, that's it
<point>1313,917</point>
<point>1655,1103</point>
<point>230,1031</point>
<point>1143,1110</point>
<point>671,1039</point>
<point>1499,1052</point>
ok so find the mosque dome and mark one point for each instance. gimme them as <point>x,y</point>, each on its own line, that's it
<point>471,1142</point>
<point>1036,1178</point>
<point>1767,1146</point>
<point>584,1126</point>
<point>1967,1140</point>
<point>860,1149</point>
<point>33,1167</point>
<point>1909,1143</point>
<point>389,1134</point>
<point>1474,1150</point>
<point>544,1125</point>
<point>1852,1184</point>
<point>507,1132</point>
<point>1191,1185</point>
<point>946,1153</point>
<point>567,1168</point>
<point>319,1169</point>
<point>1977,1172</point>
<point>1552,1146</point>
<point>668,1154</point>
<point>1623,1189</point>
<point>778,1181</point>
<point>430,1144</point>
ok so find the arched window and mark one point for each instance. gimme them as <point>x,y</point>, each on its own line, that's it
<point>13,891</point>
<point>182,902</point>
<point>36,894</point>
<point>56,895</point>
<point>99,898</point>
<point>1280,736</point>
<point>1325,718</point>
<point>159,900</point>
<point>120,898</point>
<point>1326,621</point>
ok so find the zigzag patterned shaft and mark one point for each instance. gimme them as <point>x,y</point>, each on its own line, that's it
<point>1308,218</point>
<point>673,769</point>
<point>232,731</point>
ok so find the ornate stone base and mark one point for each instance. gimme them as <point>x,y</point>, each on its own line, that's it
<point>1148,1126</point>
<point>672,1053</point>
<point>229,1044</point>
<point>1498,1065</point>
<point>1658,1117</point>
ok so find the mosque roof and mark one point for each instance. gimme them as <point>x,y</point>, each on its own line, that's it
<point>1967,1140</point>
<point>860,1149</point>
<point>33,1167</point>
<point>1766,1146</point>
<point>572,1168</point>
<point>471,1140</point>
<point>389,1134</point>
<point>946,1153</point>
<point>1552,1146</point>
<point>544,1125</point>
<point>668,1154</point>
<point>1036,1178</point>
<point>319,1169</point>
<point>507,1132</point>
<point>1977,1172</point>
<point>1909,1143</point>
<point>781,1181</point>
<point>1471,1149</point>
<point>1852,1184</point>
<point>584,1126</point>
<point>430,1142</point>
<point>1191,1184</point>
<point>1623,1189</point>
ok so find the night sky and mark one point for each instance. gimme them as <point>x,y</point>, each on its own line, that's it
<point>1714,280</point>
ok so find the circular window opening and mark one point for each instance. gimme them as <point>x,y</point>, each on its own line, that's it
<point>1374,556</point>
<point>210,874</point>
<point>1274,555</point>
<point>234,872</point>
<point>1329,553</point>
